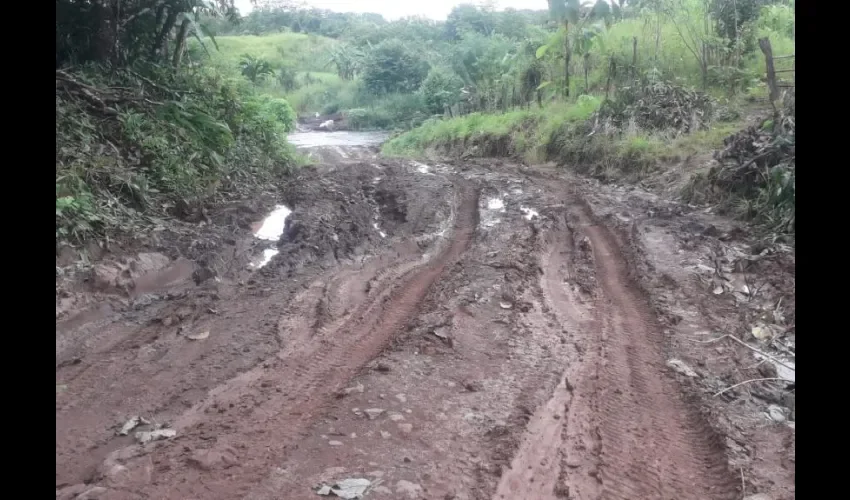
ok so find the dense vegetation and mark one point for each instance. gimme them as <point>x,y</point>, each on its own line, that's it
<point>167,104</point>
<point>145,131</point>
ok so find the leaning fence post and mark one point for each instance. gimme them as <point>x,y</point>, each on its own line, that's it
<point>764,45</point>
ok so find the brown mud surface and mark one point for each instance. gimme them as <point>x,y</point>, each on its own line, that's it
<point>468,330</point>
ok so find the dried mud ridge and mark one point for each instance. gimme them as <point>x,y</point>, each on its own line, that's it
<point>475,351</point>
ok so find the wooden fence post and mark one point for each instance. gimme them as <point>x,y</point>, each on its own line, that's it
<point>612,73</point>
<point>634,56</point>
<point>764,45</point>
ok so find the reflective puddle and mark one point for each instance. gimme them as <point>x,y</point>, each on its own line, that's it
<point>270,229</point>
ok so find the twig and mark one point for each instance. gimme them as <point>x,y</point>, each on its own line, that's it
<point>748,346</point>
<point>747,382</point>
<point>743,484</point>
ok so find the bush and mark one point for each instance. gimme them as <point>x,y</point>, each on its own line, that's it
<point>286,77</point>
<point>393,67</point>
<point>441,89</point>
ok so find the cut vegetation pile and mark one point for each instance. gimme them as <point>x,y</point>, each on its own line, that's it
<point>755,175</point>
<point>655,106</point>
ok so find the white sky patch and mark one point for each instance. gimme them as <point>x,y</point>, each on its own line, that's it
<point>393,9</point>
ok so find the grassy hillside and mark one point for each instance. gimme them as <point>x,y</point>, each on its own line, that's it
<point>300,51</point>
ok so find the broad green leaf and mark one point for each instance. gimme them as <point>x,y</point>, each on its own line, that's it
<point>543,85</point>
<point>541,51</point>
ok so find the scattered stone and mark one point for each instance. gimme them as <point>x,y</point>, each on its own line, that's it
<point>758,496</point>
<point>136,474</point>
<point>385,435</point>
<point>383,368</point>
<point>410,490</point>
<point>374,413</point>
<point>356,388</point>
<point>506,305</point>
<point>199,335</point>
<point>203,274</point>
<point>768,370</point>
<point>401,397</point>
<point>764,332</point>
<point>473,386</point>
<point>213,459</point>
<point>405,428</point>
<point>396,417</point>
<point>335,443</point>
<point>131,424</point>
<point>789,400</point>
<point>71,492</point>
<point>441,333</point>
<point>92,493</point>
<point>184,312</point>
<point>347,488</point>
<point>776,413</point>
<point>155,435</point>
<point>679,366</point>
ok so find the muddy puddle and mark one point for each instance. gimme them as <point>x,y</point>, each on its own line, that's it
<point>341,139</point>
<point>270,229</point>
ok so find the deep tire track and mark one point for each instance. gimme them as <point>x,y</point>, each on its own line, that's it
<point>538,468</point>
<point>653,444</point>
<point>261,412</point>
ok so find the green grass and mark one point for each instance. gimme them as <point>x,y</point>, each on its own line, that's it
<point>319,88</point>
<point>527,130</point>
<point>303,52</point>
<point>559,132</point>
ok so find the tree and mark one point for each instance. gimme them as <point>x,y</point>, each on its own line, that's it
<point>286,78</point>
<point>467,17</point>
<point>393,67</point>
<point>255,68</point>
<point>441,90</point>
<point>577,14</point>
<point>347,60</point>
<point>692,20</point>
<point>119,32</point>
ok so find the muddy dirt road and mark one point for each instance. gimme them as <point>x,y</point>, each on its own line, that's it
<point>475,330</point>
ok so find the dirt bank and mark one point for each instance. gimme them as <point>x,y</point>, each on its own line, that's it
<point>469,330</point>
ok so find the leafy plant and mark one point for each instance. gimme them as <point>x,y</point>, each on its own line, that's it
<point>393,67</point>
<point>441,90</point>
<point>255,68</point>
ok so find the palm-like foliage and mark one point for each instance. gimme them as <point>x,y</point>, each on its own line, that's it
<point>347,59</point>
<point>255,68</point>
<point>578,14</point>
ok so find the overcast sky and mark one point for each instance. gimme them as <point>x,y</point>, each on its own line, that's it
<point>394,9</point>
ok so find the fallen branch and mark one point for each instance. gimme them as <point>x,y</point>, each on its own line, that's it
<point>749,381</point>
<point>748,346</point>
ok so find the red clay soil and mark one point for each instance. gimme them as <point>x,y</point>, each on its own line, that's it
<point>510,337</point>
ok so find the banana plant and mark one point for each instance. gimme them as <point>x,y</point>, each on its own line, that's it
<point>576,14</point>
<point>255,68</point>
<point>347,60</point>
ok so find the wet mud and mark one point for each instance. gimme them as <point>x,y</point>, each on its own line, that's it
<point>461,330</point>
